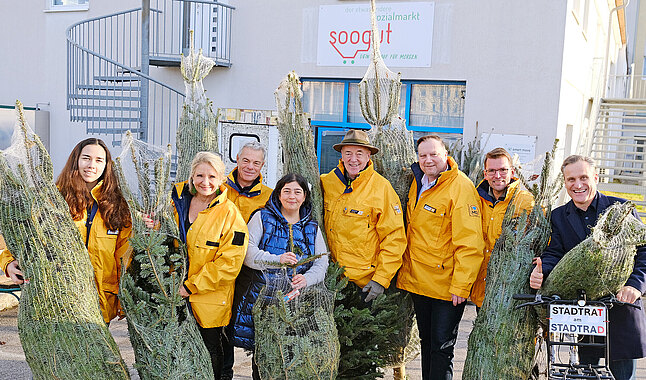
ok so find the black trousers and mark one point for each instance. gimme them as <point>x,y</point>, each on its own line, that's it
<point>213,340</point>
<point>438,322</point>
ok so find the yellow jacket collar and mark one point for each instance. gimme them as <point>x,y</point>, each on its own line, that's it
<point>363,176</point>
<point>181,186</point>
<point>231,181</point>
<point>96,190</point>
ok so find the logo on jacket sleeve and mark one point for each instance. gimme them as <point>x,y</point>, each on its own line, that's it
<point>238,238</point>
<point>473,210</point>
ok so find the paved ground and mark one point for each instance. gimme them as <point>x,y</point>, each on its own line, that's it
<point>13,365</point>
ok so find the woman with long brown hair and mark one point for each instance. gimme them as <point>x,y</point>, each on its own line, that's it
<point>90,188</point>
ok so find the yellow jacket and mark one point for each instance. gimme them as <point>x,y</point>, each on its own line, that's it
<point>249,200</point>
<point>106,248</point>
<point>444,236</point>
<point>364,224</point>
<point>492,216</point>
<point>217,243</point>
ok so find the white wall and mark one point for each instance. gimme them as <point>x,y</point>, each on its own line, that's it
<point>34,59</point>
<point>510,53</point>
<point>583,61</point>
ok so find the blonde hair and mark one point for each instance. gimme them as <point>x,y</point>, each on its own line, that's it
<point>207,158</point>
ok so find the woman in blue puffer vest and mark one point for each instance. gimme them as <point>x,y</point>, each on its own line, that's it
<point>288,208</point>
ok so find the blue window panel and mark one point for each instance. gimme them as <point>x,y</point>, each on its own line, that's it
<point>438,108</point>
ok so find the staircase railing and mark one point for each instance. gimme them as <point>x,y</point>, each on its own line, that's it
<point>210,22</point>
<point>110,86</point>
<point>104,82</point>
<point>628,86</point>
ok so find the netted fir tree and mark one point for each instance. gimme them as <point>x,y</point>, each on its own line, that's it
<point>297,140</point>
<point>198,125</point>
<point>396,154</point>
<point>163,332</point>
<point>379,90</point>
<point>602,263</point>
<point>379,96</point>
<point>502,343</point>
<point>369,334</point>
<point>60,324</point>
<point>295,335</point>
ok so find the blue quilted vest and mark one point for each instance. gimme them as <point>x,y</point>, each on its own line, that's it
<point>275,240</point>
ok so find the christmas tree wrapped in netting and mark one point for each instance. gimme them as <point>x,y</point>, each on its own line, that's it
<point>162,330</point>
<point>198,125</point>
<point>295,332</point>
<point>379,90</point>
<point>502,343</point>
<point>369,334</point>
<point>297,140</point>
<point>379,96</point>
<point>396,154</point>
<point>61,328</point>
<point>602,263</point>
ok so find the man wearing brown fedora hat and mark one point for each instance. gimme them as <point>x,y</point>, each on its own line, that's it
<point>363,217</point>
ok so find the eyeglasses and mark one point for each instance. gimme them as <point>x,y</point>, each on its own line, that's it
<point>502,171</point>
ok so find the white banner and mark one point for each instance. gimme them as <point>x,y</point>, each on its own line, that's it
<point>406,34</point>
<point>586,320</point>
<point>522,145</point>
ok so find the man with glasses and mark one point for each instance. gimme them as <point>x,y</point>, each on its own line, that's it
<point>498,189</point>
<point>444,252</point>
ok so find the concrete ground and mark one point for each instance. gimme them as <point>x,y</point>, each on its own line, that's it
<point>13,365</point>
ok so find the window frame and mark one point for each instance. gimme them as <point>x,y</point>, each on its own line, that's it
<point>320,126</point>
<point>51,7</point>
<point>409,88</point>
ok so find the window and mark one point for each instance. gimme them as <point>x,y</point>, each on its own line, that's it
<point>69,5</point>
<point>427,106</point>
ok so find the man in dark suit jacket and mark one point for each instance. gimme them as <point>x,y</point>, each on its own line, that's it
<point>571,224</point>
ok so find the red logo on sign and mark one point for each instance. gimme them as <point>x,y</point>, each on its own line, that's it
<point>349,43</point>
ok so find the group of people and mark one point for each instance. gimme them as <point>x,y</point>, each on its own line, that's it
<point>235,227</point>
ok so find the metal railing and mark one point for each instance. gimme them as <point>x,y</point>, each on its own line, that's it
<point>210,22</point>
<point>109,85</point>
<point>627,87</point>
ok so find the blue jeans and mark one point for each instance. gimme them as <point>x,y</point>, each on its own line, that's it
<point>438,322</point>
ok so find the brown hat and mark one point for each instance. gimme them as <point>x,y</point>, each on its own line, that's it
<point>356,137</point>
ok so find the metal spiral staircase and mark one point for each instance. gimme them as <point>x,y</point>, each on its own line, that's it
<point>112,61</point>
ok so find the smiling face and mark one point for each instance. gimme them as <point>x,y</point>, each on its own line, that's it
<point>250,161</point>
<point>432,158</point>
<point>292,197</point>
<point>355,158</point>
<point>498,172</point>
<point>581,183</point>
<point>206,180</point>
<point>91,164</point>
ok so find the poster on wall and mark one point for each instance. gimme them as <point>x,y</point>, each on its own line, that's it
<point>522,145</point>
<point>406,34</point>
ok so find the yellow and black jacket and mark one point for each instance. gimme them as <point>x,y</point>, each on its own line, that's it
<point>217,243</point>
<point>445,241</point>
<point>364,225</point>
